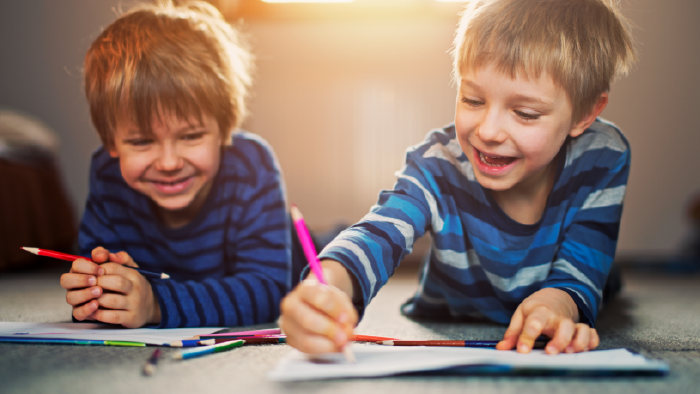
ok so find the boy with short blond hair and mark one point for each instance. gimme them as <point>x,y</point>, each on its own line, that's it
<point>522,195</point>
<point>173,188</point>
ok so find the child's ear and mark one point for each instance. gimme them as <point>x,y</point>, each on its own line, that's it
<point>113,152</point>
<point>589,118</point>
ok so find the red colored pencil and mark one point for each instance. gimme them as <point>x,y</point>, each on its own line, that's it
<point>71,257</point>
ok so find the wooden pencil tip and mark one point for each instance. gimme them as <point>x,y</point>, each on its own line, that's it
<point>176,344</point>
<point>31,250</point>
<point>177,356</point>
<point>295,213</point>
<point>387,343</point>
<point>349,355</point>
<point>208,342</point>
<point>164,276</point>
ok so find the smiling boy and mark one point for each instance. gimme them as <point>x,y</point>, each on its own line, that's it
<point>522,196</point>
<point>173,189</point>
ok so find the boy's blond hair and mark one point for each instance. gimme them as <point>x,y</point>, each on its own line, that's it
<point>582,44</point>
<point>166,58</point>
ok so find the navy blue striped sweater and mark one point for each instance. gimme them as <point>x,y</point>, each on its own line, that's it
<point>230,266</point>
<point>483,263</point>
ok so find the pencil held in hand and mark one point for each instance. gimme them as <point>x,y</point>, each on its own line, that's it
<point>70,257</point>
<point>311,256</point>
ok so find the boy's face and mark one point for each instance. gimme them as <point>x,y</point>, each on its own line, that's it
<point>175,166</point>
<point>511,129</point>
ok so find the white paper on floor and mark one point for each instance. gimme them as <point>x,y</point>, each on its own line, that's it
<point>376,360</point>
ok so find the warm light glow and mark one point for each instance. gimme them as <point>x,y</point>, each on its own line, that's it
<point>308,1</point>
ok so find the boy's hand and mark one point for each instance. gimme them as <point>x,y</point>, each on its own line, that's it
<point>317,318</point>
<point>551,312</point>
<point>81,283</point>
<point>128,298</point>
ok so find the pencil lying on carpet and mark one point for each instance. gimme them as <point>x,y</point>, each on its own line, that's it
<point>310,252</point>
<point>248,341</point>
<point>150,367</point>
<point>70,257</point>
<point>449,343</point>
<point>204,350</point>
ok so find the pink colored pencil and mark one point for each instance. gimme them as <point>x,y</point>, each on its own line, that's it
<point>310,252</point>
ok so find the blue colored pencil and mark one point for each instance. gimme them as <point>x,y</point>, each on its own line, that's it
<point>204,350</point>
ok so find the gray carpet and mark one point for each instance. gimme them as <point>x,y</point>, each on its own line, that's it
<point>658,316</point>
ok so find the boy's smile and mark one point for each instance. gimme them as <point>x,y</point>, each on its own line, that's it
<point>175,166</point>
<point>512,128</point>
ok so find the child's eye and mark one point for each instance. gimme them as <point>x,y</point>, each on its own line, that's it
<point>139,141</point>
<point>192,136</point>
<point>473,103</point>
<point>526,115</point>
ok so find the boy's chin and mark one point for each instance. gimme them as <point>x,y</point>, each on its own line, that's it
<point>173,204</point>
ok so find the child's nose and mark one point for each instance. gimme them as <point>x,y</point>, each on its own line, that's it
<point>490,128</point>
<point>169,160</point>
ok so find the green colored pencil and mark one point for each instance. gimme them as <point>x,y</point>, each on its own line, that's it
<point>201,351</point>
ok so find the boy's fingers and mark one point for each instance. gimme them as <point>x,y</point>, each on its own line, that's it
<point>117,283</point>
<point>82,266</point>
<point>113,301</point>
<point>77,281</point>
<point>532,328</point>
<point>84,311</point>
<point>303,340</point>
<point>511,335</point>
<point>77,297</point>
<point>119,269</point>
<point>595,340</point>
<point>100,255</point>
<point>581,339</point>
<point>330,301</point>
<point>122,258</point>
<point>562,336</point>
<point>114,317</point>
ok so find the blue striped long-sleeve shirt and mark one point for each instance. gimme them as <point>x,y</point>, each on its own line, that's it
<point>230,266</point>
<point>483,263</point>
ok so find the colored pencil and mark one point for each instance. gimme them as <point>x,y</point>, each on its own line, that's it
<point>311,255</point>
<point>204,350</point>
<point>230,337</point>
<point>64,341</point>
<point>481,344</point>
<point>70,257</point>
<point>248,341</point>
<point>267,331</point>
<point>150,367</point>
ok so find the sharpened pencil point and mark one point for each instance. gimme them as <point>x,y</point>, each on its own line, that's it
<point>349,355</point>
<point>387,343</point>
<point>164,276</point>
<point>31,250</point>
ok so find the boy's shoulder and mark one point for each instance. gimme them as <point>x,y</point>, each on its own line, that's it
<point>602,142</point>
<point>249,153</point>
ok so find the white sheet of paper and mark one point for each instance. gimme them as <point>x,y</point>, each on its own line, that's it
<point>376,360</point>
<point>100,332</point>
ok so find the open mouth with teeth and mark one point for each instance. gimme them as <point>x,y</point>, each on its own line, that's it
<point>494,161</point>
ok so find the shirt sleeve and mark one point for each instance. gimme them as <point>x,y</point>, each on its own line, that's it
<point>586,253</point>
<point>373,248</point>
<point>257,267</point>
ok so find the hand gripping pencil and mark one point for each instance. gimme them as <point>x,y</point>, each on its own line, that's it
<point>310,252</point>
<point>70,257</point>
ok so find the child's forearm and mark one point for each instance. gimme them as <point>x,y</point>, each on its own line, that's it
<point>337,275</point>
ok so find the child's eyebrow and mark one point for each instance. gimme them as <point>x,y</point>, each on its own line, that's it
<point>530,99</point>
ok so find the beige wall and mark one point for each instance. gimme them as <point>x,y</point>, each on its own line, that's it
<point>341,101</point>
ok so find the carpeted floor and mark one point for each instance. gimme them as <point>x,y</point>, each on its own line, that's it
<point>656,315</point>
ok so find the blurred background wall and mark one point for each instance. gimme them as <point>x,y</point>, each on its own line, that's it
<point>340,99</point>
